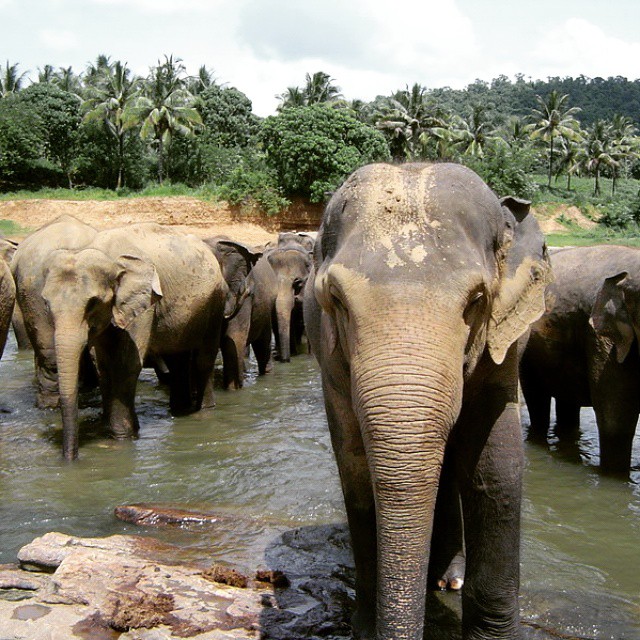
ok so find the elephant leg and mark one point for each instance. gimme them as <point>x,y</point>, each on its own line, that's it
<point>232,363</point>
<point>446,557</point>
<point>119,367</point>
<point>490,467</point>
<point>202,373</point>
<point>616,403</point>
<point>616,430</point>
<point>538,402</point>
<point>262,350</point>
<point>19,330</point>
<point>567,417</point>
<point>180,384</point>
<point>359,502</point>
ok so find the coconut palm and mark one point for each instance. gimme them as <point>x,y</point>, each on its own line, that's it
<point>471,136</point>
<point>292,97</point>
<point>11,81</point>
<point>597,152</point>
<point>624,145</point>
<point>112,95</point>
<point>46,74</point>
<point>96,71</point>
<point>553,119</point>
<point>197,84</point>
<point>166,107</point>
<point>319,87</point>
<point>570,154</point>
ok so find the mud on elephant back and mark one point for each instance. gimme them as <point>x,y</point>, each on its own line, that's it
<point>422,283</point>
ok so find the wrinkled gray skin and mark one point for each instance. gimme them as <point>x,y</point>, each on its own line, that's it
<point>252,294</point>
<point>291,263</point>
<point>7,249</point>
<point>133,294</point>
<point>584,350</point>
<point>7,300</point>
<point>29,265</point>
<point>422,283</point>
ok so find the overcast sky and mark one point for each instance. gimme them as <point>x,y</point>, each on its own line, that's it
<point>369,47</point>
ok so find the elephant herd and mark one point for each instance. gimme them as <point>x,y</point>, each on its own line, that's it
<point>429,304</point>
<point>98,306</point>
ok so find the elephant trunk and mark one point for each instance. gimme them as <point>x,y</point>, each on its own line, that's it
<point>407,404</point>
<point>70,344</point>
<point>284,307</point>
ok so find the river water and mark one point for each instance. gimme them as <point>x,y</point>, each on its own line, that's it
<point>262,460</point>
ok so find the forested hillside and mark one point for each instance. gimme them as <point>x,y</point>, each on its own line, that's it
<point>104,127</point>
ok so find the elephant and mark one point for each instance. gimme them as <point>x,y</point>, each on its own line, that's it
<point>252,288</point>
<point>133,294</point>
<point>581,352</point>
<point>291,263</point>
<point>422,282</point>
<point>304,238</point>
<point>7,249</point>
<point>7,300</point>
<point>29,265</point>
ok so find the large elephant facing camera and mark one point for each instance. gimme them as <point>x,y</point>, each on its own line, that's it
<point>423,281</point>
<point>584,351</point>
<point>135,293</point>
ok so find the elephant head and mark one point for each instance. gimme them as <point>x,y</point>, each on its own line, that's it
<point>86,292</point>
<point>422,282</point>
<point>236,261</point>
<point>616,312</point>
<point>291,264</point>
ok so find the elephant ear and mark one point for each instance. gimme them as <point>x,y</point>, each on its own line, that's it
<point>235,272</point>
<point>137,289</point>
<point>525,274</point>
<point>610,316</point>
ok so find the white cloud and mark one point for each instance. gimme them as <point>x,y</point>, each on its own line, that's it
<point>166,6</point>
<point>58,40</point>
<point>580,47</point>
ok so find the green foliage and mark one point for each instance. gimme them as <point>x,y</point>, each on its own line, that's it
<point>313,149</point>
<point>227,117</point>
<point>507,171</point>
<point>59,113</point>
<point>21,139</point>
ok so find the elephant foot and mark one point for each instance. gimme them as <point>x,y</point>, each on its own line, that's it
<point>453,577</point>
<point>363,623</point>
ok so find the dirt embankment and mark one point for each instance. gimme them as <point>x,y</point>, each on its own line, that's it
<point>187,214</point>
<point>208,218</point>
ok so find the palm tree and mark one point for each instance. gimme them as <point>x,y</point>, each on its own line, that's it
<point>166,107</point>
<point>597,152</point>
<point>68,81</point>
<point>96,70</point>
<point>554,119</point>
<point>292,97</point>
<point>319,87</point>
<point>472,135</point>
<point>623,144</point>
<point>570,156</point>
<point>111,97</point>
<point>197,84</point>
<point>11,81</point>
<point>46,74</point>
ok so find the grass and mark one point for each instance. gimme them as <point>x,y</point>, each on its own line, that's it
<point>10,228</point>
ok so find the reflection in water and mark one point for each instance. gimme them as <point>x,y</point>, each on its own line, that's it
<point>263,457</point>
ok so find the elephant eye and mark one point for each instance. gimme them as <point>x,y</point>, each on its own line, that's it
<point>298,285</point>
<point>476,303</point>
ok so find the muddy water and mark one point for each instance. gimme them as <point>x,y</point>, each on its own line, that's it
<point>262,460</point>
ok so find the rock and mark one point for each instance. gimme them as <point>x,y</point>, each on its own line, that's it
<point>159,515</point>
